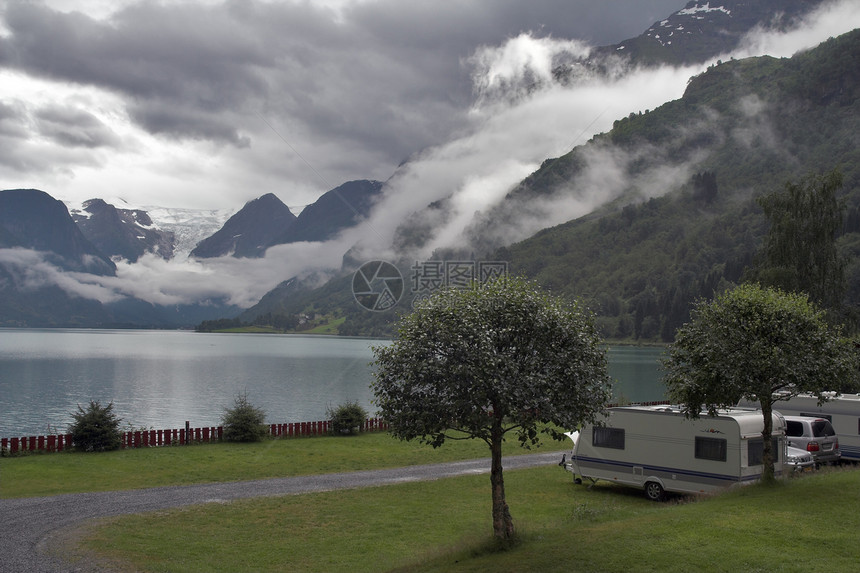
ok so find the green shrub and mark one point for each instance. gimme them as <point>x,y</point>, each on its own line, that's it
<point>96,429</point>
<point>347,418</point>
<point>244,422</point>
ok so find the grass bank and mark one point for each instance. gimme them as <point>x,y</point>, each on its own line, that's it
<point>72,472</point>
<point>803,524</point>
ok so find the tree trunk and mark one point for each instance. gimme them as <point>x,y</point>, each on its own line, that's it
<point>503,525</point>
<point>767,474</point>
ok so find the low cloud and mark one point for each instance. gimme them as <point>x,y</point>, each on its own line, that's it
<point>512,137</point>
<point>32,270</point>
<point>830,19</point>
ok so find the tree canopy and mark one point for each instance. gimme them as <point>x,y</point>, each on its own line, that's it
<point>800,252</point>
<point>495,358</point>
<point>760,344</point>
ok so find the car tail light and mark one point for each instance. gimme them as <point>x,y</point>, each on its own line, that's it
<point>812,447</point>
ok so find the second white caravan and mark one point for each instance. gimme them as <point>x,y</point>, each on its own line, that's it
<point>658,449</point>
<point>843,411</point>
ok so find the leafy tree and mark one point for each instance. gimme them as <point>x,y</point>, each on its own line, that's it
<point>800,253</point>
<point>757,343</point>
<point>488,360</point>
<point>96,428</point>
<point>347,418</point>
<point>244,422</point>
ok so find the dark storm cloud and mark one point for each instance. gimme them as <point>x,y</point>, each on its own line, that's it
<point>188,61</point>
<point>12,121</point>
<point>385,76</point>
<point>74,127</point>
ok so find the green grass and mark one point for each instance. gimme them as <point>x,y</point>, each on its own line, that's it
<point>330,327</point>
<point>803,524</point>
<point>72,472</point>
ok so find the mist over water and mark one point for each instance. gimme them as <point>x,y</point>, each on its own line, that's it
<point>160,379</point>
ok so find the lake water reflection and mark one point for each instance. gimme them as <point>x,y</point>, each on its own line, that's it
<point>160,379</point>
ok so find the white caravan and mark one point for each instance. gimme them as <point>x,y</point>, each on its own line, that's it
<point>843,411</point>
<point>660,450</point>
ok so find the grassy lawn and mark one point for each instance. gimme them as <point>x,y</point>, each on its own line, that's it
<point>52,474</point>
<point>803,524</point>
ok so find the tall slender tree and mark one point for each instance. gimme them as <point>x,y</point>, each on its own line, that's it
<point>800,253</point>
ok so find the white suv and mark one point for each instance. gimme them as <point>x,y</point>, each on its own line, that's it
<point>815,435</point>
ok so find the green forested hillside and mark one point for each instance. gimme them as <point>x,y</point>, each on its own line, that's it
<point>747,127</point>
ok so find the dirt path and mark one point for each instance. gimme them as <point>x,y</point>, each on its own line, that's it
<point>29,527</point>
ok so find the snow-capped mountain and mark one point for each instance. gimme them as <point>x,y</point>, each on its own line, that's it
<point>121,230</point>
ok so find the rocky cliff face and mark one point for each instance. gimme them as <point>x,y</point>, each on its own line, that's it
<point>125,233</point>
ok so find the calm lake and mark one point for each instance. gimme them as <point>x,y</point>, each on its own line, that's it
<point>160,379</point>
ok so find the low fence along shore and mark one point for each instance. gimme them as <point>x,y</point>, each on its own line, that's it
<point>176,436</point>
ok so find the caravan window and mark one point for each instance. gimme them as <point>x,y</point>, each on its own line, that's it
<point>755,451</point>
<point>711,449</point>
<point>608,438</point>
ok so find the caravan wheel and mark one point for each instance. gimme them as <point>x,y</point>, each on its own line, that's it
<point>654,491</point>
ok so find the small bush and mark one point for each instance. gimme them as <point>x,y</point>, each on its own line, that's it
<point>96,429</point>
<point>347,418</point>
<point>244,422</point>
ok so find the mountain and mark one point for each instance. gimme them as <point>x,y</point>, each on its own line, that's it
<point>250,231</point>
<point>32,219</point>
<point>266,221</point>
<point>37,234</point>
<point>679,218</point>
<point>336,210</point>
<point>704,30</point>
<point>742,129</point>
<point>41,248</point>
<point>124,233</point>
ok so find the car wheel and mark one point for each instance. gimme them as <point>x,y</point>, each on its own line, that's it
<point>654,491</point>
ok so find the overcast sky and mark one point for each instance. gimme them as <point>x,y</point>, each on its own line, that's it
<point>210,104</point>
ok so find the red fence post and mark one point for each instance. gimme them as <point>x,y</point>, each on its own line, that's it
<point>182,440</point>
<point>206,435</point>
<point>32,443</point>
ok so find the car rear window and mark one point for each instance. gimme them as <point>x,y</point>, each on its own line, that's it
<point>793,428</point>
<point>822,429</point>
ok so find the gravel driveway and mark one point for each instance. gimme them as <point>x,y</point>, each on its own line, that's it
<point>29,525</point>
